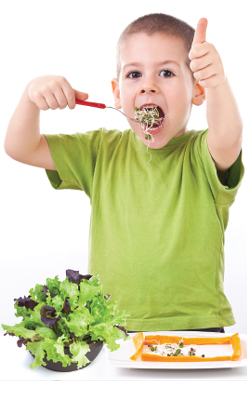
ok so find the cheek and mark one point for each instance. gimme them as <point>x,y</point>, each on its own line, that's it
<point>181,96</point>
<point>127,97</point>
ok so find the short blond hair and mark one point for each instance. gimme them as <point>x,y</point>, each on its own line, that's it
<point>156,23</point>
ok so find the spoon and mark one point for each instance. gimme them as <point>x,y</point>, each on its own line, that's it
<point>102,106</point>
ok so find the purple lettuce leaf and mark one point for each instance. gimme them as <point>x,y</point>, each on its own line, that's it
<point>66,306</point>
<point>47,314</point>
<point>22,341</point>
<point>75,277</point>
<point>27,302</point>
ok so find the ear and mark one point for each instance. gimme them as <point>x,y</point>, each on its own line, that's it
<point>116,93</point>
<point>199,95</point>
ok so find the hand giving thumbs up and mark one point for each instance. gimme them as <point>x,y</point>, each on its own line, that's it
<point>205,60</point>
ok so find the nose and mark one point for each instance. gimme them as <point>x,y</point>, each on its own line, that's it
<point>148,86</point>
<point>143,90</point>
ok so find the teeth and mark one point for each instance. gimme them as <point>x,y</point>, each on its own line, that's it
<point>149,106</point>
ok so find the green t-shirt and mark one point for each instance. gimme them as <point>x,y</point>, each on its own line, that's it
<point>156,230</point>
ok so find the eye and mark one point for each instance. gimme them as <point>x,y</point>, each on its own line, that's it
<point>133,74</point>
<point>166,73</point>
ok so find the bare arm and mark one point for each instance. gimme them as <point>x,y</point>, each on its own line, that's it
<point>225,126</point>
<point>23,141</point>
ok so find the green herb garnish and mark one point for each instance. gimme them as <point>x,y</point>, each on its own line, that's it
<point>152,348</point>
<point>148,116</point>
<point>177,352</point>
<point>191,352</point>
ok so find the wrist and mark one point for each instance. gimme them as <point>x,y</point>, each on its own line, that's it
<point>27,100</point>
<point>220,87</point>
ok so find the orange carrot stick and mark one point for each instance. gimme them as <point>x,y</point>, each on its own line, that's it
<point>235,341</point>
<point>182,358</point>
<point>158,339</point>
<point>138,341</point>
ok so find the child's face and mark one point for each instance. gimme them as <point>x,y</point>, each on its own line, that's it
<point>154,70</point>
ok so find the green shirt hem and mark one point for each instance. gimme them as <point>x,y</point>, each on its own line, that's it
<point>182,323</point>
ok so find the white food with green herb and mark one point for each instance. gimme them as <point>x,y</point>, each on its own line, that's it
<point>174,349</point>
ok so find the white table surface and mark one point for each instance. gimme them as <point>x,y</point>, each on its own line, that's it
<point>15,363</point>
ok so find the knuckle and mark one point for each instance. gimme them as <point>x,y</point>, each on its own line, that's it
<point>44,108</point>
<point>218,58</point>
<point>191,54</point>
<point>42,105</point>
<point>63,104</point>
<point>197,75</point>
<point>44,89</point>
<point>61,80</point>
<point>53,106</point>
<point>53,84</point>
<point>211,47</point>
<point>35,94</point>
<point>72,105</point>
<point>195,48</point>
<point>71,96</point>
<point>193,65</point>
<point>192,51</point>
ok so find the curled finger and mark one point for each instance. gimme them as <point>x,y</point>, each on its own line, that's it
<point>50,99</point>
<point>69,94</point>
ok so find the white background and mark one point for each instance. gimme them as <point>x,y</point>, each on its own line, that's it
<point>43,231</point>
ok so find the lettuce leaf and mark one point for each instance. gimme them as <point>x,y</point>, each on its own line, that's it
<point>37,349</point>
<point>53,285</point>
<point>70,291</point>
<point>55,351</point>
<point>19,330</point>
<point>79,351</point>
<point>49,348</point>
<point>33,320</point>
<point>79,321</point>
<point>47,314</point>
<point>28,303</point>
<point>58,303</point>
<point>88,292</point>
<point>37,293</point>
<point>46,332</point>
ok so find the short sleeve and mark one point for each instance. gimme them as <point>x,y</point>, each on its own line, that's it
<point>223,194</point>
<point>75,160</point>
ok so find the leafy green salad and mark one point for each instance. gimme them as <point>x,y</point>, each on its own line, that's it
<point>71,313</point>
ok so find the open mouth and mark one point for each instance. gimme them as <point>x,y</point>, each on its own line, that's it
<point>152,119</point>
<point>155,115</point>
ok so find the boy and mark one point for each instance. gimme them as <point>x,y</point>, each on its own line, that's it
<point>156,230</point>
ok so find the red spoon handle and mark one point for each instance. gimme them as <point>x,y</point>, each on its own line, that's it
<point>91,104</point>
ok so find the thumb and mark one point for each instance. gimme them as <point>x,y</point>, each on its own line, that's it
<point>200,33</point>
<point>80,95</point>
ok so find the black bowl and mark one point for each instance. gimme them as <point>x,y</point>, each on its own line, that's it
<point>94,349</point>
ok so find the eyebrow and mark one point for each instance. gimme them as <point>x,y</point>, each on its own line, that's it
<point>161,63</point>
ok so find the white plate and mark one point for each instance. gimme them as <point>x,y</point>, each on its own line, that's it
<point>121,357</point>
